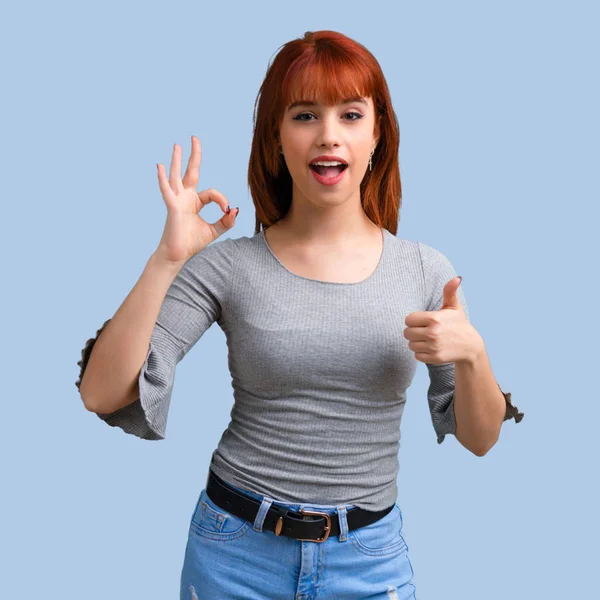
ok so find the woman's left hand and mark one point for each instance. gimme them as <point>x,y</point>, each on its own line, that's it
<point>445,335</point>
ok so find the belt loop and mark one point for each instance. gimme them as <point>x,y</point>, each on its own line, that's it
<point>265,505</point>
<point>342,518</point>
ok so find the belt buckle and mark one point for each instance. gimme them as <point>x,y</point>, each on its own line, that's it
<point>327,526</point>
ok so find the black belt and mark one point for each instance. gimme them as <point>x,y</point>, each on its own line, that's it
<point>283,521</point>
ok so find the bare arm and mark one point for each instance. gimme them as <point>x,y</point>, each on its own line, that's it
<point>110,380</point>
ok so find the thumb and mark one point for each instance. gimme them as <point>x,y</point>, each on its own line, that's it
<point>451,294</point>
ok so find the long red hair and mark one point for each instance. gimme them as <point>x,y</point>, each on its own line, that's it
<point>322,66</point>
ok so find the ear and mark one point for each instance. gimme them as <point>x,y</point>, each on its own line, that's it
<point>376,132</point>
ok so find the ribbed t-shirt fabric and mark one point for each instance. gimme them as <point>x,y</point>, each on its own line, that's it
<point>319,369</point>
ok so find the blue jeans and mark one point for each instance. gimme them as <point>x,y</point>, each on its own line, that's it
<point>229,558</point>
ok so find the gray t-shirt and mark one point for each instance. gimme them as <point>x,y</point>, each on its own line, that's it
<point>319,369</point>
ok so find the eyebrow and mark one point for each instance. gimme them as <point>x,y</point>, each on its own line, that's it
<point>344,101</point>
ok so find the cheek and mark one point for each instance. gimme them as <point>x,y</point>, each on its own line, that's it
<point>297,167</point>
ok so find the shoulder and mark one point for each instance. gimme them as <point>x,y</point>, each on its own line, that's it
<point>220,252</point>
<point>220,256</point>
<point>430,254</point>
<point>427,257</point>
<point>435,263</point>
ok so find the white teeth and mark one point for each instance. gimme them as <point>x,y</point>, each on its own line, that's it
<point>327,163</point>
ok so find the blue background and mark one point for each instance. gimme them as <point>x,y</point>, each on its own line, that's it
<point>498,110</point>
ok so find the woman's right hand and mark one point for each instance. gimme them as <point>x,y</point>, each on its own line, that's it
<point>186,232</point>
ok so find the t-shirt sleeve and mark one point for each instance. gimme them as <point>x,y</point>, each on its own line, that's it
<point>194,301</point>
<point>438,271</point>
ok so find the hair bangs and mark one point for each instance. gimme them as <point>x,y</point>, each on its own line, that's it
<point>326,78</point>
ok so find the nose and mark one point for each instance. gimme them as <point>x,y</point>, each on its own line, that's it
<point>329,132</point>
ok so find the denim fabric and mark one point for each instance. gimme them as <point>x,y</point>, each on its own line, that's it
<point>229,558</point>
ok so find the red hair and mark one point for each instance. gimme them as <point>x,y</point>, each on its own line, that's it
<point>327,66</point>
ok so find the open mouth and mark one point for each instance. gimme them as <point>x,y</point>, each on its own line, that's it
<point>328,175</point>
<point>328,171</point>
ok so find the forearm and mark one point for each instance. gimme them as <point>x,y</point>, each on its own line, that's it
<point>479,405</point>
<point>110,380</point>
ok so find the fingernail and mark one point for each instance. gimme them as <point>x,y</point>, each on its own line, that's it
<point>460,277</point>
<point>238,211</point>
<point>228,209</point>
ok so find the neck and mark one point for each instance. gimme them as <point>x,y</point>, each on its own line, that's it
<point>345,224</point>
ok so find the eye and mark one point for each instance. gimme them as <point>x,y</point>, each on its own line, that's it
<point>355,114</point>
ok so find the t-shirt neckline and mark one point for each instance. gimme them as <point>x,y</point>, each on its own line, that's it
<point>384,235</point>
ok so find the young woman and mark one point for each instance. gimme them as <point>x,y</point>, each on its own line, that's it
<point>326,314</point>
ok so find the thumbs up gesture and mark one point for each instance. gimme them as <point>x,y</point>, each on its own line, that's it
<point>445,335</point>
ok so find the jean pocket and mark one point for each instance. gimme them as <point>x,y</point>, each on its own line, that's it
<point>211,521</point>
<point>381,538</point>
